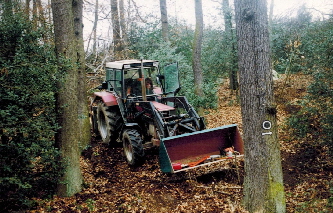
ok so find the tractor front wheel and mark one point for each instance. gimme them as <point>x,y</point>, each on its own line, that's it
<point>133,148</point>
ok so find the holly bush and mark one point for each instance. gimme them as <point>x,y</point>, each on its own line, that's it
<point>315,118</point>
<point>29,163</point>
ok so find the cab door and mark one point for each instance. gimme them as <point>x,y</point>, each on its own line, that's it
<point>171,79</point>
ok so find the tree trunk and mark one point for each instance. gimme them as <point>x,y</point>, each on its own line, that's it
<point>67,137</point>
<point>164,20</point>
<point>270,20</point>
<point>271,12</point>
<point>196,57</point>
<point>123,29</point>
<point>95,28</point>
<point>41,16</point>
<point>83,113</point>
<point>27,7</point>
<point>117,44</point>
<point>34,12</point>
<point>40,19</point>
<point>233,78</point>
<point>263,183</point>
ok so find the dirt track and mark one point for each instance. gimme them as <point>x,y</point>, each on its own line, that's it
<point>112,186</point>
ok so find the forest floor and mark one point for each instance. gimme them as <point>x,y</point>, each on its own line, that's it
<point>110,185</point>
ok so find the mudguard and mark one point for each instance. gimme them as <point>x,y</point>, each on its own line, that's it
<point>108,98</point>
<point>190,150</point>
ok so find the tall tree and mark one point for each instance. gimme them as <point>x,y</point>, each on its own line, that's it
<point>197,46</point>
<point>117,44</point>
<point>263,182</point>
<point>271,13</point>
<point>95,28</point>
<point>123,28</point>
<point>270,19</point>
<point>27,6</point>
<point>83,113</point>
<point>34,12</point>
<point>227,15</point>
<point>164,20</point>
<point>67,98</point>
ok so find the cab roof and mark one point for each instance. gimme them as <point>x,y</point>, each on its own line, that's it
<point>132,63</point>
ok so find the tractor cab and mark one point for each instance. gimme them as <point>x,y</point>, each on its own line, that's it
<point>141,79</point>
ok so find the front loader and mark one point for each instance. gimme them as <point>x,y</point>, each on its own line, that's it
<point>138,106</point>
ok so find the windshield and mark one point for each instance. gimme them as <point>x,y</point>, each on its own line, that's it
<point>134,78</point>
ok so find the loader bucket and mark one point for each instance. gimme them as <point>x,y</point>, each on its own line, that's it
<point>191,150</point>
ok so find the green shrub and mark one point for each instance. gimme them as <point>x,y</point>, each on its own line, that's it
<point>315,119</point>
<point>29,163</point>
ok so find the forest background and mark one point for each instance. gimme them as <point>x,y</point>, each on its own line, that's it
<point>301,44</point>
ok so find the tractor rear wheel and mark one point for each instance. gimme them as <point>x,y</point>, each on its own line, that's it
<point>108,119</point>
<point>133,148</point>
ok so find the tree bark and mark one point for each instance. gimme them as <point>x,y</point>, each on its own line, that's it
<point>164,20</point>
<point>123,29</point>
<point>233,74</point>
<point>67,137</point>
<point>117,44</point>
<point>263,183</point>
<point>95,28</point>
<point>34,13</point>
<point>196,57</point>
<point>27,7</point>
<point>83,113</point>
<point>40,9</point>
<point>39,17</point>
<point>271,12</point>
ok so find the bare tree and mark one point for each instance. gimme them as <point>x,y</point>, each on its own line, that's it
<point>67,137</point>
<point>271,12</point>
<point>95,28</point>
<point>116,30</point>
<point>38,15</point>
<point>197,43</point>
<point>34,13</point>
<point>123,28</point>
<point>164,20</point>
<point>229,37</point>
<point>41,12</point>
<point>263,183</point>
<point>27,6</point>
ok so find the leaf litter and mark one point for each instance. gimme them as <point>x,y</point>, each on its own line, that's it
<point>110,185</point>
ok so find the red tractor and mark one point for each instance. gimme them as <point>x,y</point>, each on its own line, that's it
<point>138,105</point>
